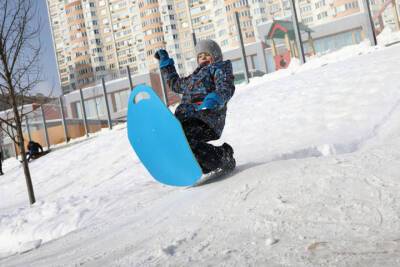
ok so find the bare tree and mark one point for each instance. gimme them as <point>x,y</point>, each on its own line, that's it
<point>19,68</point>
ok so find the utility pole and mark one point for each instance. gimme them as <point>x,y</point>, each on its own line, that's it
<point>371,27</point>
<point>242,49</point>
<point>191,23</point>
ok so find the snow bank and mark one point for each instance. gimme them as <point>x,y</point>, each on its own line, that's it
<point>388,37</point>
<point>45,221</point>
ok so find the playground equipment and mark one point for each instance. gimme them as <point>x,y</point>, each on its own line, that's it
<point>281,29</point>
<point>378,16</point>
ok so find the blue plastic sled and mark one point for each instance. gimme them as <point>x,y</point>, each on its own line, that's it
<point>159,141</point>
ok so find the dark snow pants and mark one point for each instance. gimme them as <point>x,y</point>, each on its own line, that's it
<point>198,133</point>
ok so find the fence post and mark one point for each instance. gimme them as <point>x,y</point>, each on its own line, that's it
<point>46,134</point>
<point>107,105</point>
<point>130,78</point>
<point>65,126</point>
<point>28,128</point>
<point>84,113</point>
<point>164,89</point>
<point>297,33</point>
<point>239,30</point>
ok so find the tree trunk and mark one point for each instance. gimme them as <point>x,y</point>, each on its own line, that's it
<point>19,66</point>
<point>21,145</point>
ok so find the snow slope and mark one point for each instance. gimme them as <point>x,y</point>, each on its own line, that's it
<point>317,183</point>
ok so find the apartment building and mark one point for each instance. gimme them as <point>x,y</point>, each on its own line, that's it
<point>94,39</point>
<point>317,12</point>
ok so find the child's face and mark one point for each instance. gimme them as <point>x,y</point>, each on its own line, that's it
<point>204,59</point>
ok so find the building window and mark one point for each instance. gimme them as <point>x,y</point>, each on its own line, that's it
<point>308,20</point>
<point>352,5</point>
<point>320,4</point>
<point>322,15</point>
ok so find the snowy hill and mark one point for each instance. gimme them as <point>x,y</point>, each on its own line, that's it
<point>317,183</point>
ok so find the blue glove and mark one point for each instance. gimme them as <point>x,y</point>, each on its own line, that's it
<point>163,57</point>
<point>211,101</point>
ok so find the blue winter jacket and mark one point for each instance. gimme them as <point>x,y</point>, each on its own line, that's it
<point>217,77</point>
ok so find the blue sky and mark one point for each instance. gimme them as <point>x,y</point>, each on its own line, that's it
<point>47,58</point>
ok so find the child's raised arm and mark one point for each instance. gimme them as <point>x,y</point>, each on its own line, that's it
<point>168,71</point>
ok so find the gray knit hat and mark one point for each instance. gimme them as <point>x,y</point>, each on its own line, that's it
<point>210,47</point>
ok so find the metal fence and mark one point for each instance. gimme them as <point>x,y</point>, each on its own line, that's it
<point>61,120</point>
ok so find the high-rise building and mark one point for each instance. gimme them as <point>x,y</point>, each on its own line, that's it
<point>316,12</point>
<point>101,38</point>
<point>96,38</point>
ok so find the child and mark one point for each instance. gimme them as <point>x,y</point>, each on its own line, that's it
<point>202,111</point>
<point>33,150</point>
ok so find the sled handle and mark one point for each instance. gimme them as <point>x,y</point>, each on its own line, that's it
<point>140,93</point>
<point>140,97</point>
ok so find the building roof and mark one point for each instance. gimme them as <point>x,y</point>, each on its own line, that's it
<point>280,27</point>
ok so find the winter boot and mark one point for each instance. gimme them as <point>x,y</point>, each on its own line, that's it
<point>228,161</point>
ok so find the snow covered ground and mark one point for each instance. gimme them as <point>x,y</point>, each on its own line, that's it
<point>317,183</point>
